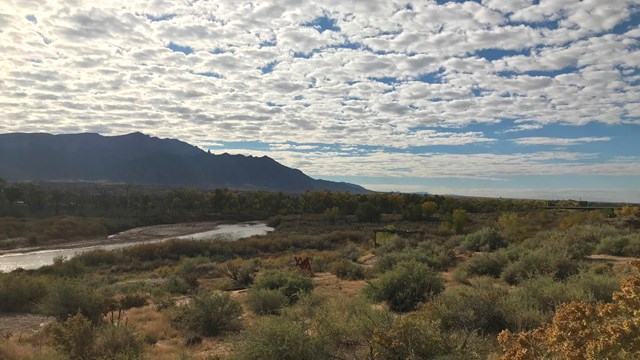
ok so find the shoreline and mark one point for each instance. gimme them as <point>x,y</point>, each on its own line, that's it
<point>139,234</point>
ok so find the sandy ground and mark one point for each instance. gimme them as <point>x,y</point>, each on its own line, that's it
<point>144,233</point>
<point>20,323</point>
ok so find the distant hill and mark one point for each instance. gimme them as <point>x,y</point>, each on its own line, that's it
<point>141,159</point>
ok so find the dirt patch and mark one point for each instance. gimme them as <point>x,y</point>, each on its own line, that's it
<point>329,283</point>
<point>20,323</point>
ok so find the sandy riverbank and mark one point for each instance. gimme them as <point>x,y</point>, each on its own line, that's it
<point>139,234</point>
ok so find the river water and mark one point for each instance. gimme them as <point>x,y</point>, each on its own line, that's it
<point>36,259</point>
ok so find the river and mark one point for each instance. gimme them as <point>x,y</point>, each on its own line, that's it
<point>36,259</point>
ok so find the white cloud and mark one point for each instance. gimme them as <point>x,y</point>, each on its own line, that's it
<point>89,65</point>
<point>380,163</point>
<point>558,141</point>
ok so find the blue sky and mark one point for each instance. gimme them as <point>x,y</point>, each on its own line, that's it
<point>519,98</point>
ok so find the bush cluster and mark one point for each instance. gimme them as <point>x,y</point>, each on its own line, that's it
<point>208,314</point>
<point>406,285</point>
<point>290,284</point>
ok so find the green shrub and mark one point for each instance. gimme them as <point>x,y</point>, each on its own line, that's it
<point>436,257</point>
<point>408,284</point>
<point>78,339</point>
<point>279,338</point>
<point>290,284</point>
<point>485,239</point>
<point>345,269</point>
<point>350,252</point>
<point>543,261</point>
<point>208,314</point>
<point>74,337</point>
<point>414,336</point>
<point>620,245</point>
<point>344,326</point>
<point>485,265</point>
<point>266,301</point>
<point>178,285</point>
<point>67,297</point>
<point>596,287</point>
<point>20,292</point>
<point>118,342</point>
<point>471,308</point>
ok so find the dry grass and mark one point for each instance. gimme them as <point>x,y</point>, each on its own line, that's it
<point>13,350</point>
<point>151,323</point>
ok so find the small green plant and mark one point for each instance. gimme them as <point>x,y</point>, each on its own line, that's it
<point>485,239</point>
<point>208,314</point>
<point>266,301</point>
<point>345,269</point>
<point>67,298</point>
<point>414,336</point>
<point>280,338</point>
<point>290,284</point>
<point>78,339</point>
<point>404,287</point>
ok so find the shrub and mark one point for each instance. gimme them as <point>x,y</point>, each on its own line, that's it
<point>208,314</point>
<point>266,302</point>
<point>74,337</point>
<point>67,298</point>
<point>290,284</point>
<point>118,342</point>
<point>20,293</point>
<point>436,257</point>
<point>543,261</point>
<point>350,252</point>
<point>344,326</point>
<point>471,308</point>
<point>408,284</point>
<point>78,339</point>
<point>482,265</point>
<point>414,336</point>
<point>280,338</point>
<point>178,285</point>
<point>620,245</point>
<point>241,272</point>
<point>485,239</point>
<point>345,269</point>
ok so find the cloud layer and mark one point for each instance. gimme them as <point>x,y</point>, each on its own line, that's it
<point>359,73</point>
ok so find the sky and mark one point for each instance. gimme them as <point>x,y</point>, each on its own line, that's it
<point>513,98</point>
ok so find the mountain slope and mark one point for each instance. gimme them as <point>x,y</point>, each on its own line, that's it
<point>141,159</point>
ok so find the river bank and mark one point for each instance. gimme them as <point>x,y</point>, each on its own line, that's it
<point>34,257</point>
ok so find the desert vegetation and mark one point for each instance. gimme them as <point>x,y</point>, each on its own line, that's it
<point>451,279</point>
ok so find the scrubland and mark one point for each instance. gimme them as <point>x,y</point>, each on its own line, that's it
<point>485,282</point>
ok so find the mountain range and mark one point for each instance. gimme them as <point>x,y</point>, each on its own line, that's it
<point>141,159</point>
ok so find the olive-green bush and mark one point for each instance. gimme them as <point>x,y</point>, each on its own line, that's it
<point>406,285</point>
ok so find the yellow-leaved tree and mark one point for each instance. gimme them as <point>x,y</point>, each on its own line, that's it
<point>581,331</point>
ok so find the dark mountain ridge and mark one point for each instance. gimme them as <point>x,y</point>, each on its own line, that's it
<point>142,159</point>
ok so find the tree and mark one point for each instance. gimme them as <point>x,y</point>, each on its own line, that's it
<point>367,212</point>
<point>459,219</point>
<point>429,208</point>
<point>12,193</point>
<point>332,214</point>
